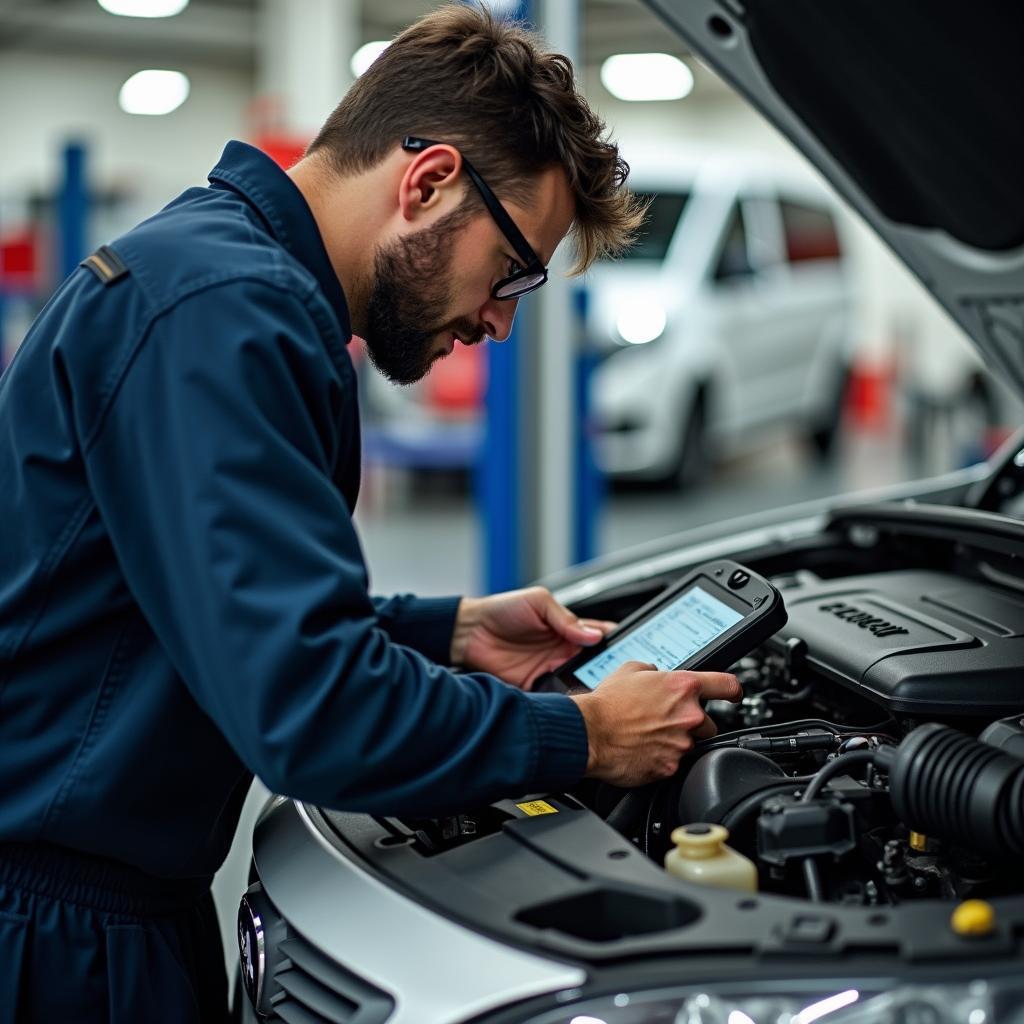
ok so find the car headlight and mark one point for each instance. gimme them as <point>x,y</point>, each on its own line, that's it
<point>641,323</point>
<point>781,1003</point>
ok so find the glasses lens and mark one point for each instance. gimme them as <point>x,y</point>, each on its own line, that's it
<point>516,286</point>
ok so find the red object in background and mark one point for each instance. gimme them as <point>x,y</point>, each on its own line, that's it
<point>455,384</point>
<point>284,150</point>
<point>995,438</point>
<point>868,396</point>
<point>19,261</point>
<point>267,128</point>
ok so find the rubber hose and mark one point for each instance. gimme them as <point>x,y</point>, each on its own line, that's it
<point>948,784</point>
<point>838,766</point>
<point>626,814</point>
<point>814,891</point>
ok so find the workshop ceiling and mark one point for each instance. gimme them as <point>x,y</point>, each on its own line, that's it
<point>225,33</point>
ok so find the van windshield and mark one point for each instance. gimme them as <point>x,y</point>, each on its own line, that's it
<point>659,225</point>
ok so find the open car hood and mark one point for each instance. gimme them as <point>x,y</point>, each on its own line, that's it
<point>914,111</point>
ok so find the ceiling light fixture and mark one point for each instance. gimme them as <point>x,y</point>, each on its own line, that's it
<point>144,8</point>
<point>154,92</point>
<point>640,77</point>
<point>366,55</point>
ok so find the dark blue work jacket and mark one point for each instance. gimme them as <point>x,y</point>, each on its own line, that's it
<point>183,599</point>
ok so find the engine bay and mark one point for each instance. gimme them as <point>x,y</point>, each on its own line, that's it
<point>861,665</point>
<point>875,764</point>
<point>902,684</point>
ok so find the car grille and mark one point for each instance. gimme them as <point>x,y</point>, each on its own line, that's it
<point>316,990</point>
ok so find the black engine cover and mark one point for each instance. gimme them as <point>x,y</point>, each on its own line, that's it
<point>917,643</point>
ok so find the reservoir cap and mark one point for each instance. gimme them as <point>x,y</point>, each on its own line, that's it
<point>974,917</point>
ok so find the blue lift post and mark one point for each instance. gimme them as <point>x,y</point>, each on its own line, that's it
<point>498,469</point>
<point>72,211</point>
<point>70,227</point>
<point>535,464</point>
<point>589,496</point>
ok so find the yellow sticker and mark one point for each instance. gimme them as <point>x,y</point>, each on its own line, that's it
<point>534,807</point>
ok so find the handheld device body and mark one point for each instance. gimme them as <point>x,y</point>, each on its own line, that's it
<point>715,615</point>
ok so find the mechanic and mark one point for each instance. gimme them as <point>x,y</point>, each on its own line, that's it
<point>183,599</point>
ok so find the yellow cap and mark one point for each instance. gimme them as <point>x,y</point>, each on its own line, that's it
<point>918,842</point>
<point>974,917</point>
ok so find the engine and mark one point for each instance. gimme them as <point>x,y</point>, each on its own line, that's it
<point>917,645</point>
<point>878,753</point>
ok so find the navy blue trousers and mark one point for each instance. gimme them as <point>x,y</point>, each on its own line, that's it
<point>82,939</point>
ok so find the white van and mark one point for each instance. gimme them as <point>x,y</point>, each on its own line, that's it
<point>732,312</point>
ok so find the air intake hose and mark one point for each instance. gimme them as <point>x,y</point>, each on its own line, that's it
<point>947,784</point>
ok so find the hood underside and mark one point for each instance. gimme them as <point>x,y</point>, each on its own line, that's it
<point>914,111</point>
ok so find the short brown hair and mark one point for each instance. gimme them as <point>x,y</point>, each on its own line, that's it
<point>486,85</point>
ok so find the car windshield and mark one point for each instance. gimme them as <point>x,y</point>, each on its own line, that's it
<point>659,226</point>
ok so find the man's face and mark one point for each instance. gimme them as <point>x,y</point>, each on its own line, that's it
<point>413,291</point>
<point>432,285</point>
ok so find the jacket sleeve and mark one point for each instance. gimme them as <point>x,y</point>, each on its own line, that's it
<point>211,470</point>
<point>424,623</point>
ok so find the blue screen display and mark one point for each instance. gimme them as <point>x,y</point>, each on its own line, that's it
<point>668,638</point>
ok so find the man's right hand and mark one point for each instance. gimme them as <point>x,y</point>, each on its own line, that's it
<point>641,721</point>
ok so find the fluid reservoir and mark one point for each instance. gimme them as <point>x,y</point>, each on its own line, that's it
<point>701,856</point>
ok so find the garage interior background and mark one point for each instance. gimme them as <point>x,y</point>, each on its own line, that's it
<point>489,474</point>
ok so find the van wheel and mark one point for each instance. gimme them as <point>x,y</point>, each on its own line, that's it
<point>694,461</point>
<point>823,436</point>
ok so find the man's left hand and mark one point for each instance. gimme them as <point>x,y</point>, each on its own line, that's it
<point>520,635</point>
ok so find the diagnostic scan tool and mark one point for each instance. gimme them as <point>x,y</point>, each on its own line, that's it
<point>708,620</point>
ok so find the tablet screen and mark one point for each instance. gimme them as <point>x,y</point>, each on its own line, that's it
<point>666,639</point>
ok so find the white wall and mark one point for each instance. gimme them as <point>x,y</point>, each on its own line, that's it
<point>47,100</point>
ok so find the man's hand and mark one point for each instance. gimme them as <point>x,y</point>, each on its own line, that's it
<point>641,721</point>
<point>520,635</point>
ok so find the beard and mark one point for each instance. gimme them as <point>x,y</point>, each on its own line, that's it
<point>412,290</point>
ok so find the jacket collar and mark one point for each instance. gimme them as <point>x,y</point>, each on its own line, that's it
<point>253,174</point>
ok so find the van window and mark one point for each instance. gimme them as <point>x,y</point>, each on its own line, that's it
<point>659,225</point>
<point>733,257</point>
<point>810,232</point>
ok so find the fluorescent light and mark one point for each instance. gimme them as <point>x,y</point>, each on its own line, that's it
<point>646,76</point>
<point>366,55</point>
<point>154,92</point>
<point>641,323</point>
<point>144,8</point>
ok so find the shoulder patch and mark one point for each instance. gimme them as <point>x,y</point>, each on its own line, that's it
<point>106,265</point>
